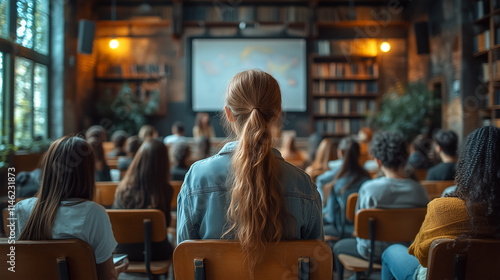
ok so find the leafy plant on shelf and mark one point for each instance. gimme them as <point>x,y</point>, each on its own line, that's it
<point>127,111</point>
<point>409,109</point>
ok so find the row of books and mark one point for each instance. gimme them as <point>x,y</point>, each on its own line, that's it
<point>481,41</point>
<point>336,14</point>
<point>345,126</point>
<point>131,70</point>
<point>361,47</point>
<point>324,106</point>
<point>336,69</point>
<point>344,87</point>
<point>223,12</point>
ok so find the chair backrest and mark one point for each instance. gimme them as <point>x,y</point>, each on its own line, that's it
<point>463,259</point>
<point>46,259</point>
<point>176,185</point>
<point>107,146</point>
<point>351,206</point>
<point>391,225</point>
<point>435,188</point>
<point>420,174</point>
<point>223,259</point>
<point>112,163</point>
<point>105,193</point>
<point>128,225</point>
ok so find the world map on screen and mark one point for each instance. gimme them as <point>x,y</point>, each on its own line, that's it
<point>216,61</point>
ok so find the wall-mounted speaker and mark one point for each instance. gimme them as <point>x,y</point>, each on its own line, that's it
<point>86,29</point>
<point>422,37</point>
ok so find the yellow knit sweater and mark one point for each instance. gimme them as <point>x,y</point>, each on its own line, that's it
<point>446,217</point>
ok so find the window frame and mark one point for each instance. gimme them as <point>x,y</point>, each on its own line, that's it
<point>11,51</point>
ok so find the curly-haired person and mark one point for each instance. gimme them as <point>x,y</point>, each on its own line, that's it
<point>394,190</point>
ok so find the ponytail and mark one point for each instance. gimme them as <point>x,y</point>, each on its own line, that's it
<point>257,212</point>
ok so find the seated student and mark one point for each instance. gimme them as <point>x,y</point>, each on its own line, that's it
<point>204,146</point>
<point>147,132</point>
<point>63,208</point>
<point>324,155</point>
<point>102,172</point>
<point>177,134</point>
<point>146,186</point>
<point>419,153</point>
<point>28,182</point>
<point>394,190</point>
<point>446,145</point>
<point>348,180</point>
<point>96,131</point>
<point>180,155</point>
<point>472,211</point>
<point>133,144</point>
<point>247,191</point>
<point>119,137</point>
<point>328,176</point>
<point>289,150</point>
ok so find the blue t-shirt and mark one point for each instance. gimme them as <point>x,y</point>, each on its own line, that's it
<point>205,196</point>
<point>388,193</point>
<point>87,221</point>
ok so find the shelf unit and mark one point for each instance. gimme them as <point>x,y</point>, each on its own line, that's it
<point>486,48</point>
<point>344,89</point>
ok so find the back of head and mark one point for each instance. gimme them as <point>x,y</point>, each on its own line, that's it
<point>447,140</point>
<point>178,128</point>
<point>422,145</point>
<point>350,163</point>
<point>133,144</point>
<point>144,184</point>
<point>390,148</point>
<point>96,145</point>
<point>203,147</point>
<point>119,138</point>
<point>147,131</point>
<point>68,172</point>
<point>478,173</point>
<point>180,153</point>
<point>97,132</point>
<point>257,213</point>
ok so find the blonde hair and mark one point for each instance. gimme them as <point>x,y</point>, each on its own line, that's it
<point>257,213</point>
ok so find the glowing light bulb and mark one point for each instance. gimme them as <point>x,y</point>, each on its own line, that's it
<point>113,43</point>
<point>385,47</point>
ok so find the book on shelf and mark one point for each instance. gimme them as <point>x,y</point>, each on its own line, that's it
<point>486,71</point>
<point>342,106</point>
<point>479,9</point>
<point>481,41</point>
<point>324,87</point>
<point>345,126</point>
<point>345,70</point>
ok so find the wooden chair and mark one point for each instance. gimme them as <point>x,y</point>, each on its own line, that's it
<point>141,226</point>
<point>348,212</point>
<point>105,193</point>
<point>435,188</point>
<point>112,163</point>
<point>107,146</point>
<point>223,259</point>
<point>464,259</point>
<point>420,174</point>
<point>389,225</point>
<point>176,185</point>
<point>53,259</point>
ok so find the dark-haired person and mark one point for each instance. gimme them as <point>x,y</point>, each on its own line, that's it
<point>118,138</point>
<point>102,172</point>
<point>471,211</point>
<point>446,145</point>
<point>348,180</point>
<point>395,190</point>
<point>203,147</point>
<point>419,152</point>
<point>177,134</point>
<point>180,154</point>
<point>247,191</point>
<point>63,208</point>
<point>132,146</point>
<point>146,186</point>
<point>96,131</point>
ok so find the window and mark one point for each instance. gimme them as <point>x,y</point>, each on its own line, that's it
<point>28,87</point>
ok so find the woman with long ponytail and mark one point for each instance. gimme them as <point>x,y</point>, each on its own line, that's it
<point>247,191</point>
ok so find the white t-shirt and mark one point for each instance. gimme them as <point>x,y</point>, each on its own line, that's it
<point>174,138</point>
<point>87,221</point>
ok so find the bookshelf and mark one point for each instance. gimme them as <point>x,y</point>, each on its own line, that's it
<point>344,89</point>
<point>486,49</point>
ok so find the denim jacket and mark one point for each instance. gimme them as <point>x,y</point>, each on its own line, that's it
<point>205,197</point>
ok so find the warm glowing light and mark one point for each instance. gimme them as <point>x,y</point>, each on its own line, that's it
<point>113,43</point>
<point>385,47</point>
